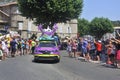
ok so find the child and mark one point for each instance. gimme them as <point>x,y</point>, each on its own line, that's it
<point>69,48</point>
<point>1,53</point>
<point>118,58</point>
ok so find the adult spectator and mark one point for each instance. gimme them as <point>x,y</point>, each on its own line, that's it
<point>92,50</point>
<point>23,46</point>
<point>98,49</point>
<point>5,49</point>
<point>13,44</point>
<point>74,47</point>
<point>79,46</point>
<point>33,45</point>
<point>1,52</point>
<point>84,48</point>
<point>30,45</point>
<point>110,53</point>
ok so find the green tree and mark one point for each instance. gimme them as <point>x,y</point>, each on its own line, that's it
<point>83,27</point>
<point>100,26</point>
<point>50,11</point>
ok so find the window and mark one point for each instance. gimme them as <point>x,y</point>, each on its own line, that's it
<point>20,25</point>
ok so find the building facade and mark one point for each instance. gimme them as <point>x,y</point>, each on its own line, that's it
<point>11,19</point>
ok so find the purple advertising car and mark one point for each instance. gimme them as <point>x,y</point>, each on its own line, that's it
<point>47,49</point>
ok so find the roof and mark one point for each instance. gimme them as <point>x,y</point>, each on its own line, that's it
<point>8,4</point>
<point>117,27</point>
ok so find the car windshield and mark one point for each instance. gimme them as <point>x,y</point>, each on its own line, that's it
<point>47,44</point>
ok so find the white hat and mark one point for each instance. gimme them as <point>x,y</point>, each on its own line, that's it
<point>99,41</point>
<point>85,39</point>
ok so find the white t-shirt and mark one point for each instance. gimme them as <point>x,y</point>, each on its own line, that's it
<point>1,53</point>
<point>3,45</point>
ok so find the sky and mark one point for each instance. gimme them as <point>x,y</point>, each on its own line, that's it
<point>101,8</point>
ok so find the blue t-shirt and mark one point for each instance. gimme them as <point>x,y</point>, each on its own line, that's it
<point>84,45</point>
<point>13,44</point>
<point>23,44</point>
<point>92,46</point>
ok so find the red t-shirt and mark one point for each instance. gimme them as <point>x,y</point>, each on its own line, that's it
<point>98,46</point>
<point>30,42</point>
<point>118,55</point>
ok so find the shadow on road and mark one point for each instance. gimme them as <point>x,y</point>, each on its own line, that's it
<point>45,62</point>
<point>108,66</point>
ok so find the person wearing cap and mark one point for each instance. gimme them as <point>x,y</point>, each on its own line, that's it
<point>98,48</point>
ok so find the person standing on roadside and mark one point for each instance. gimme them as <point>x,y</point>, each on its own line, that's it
<point>69,48</point>
<point>23,46</point>
<point>84,48</point>
<point>88,51</point>
<point>30,45</point>
<point>26,46</point>
<point>5,49</point>
<point>8,46</point>
<point>79,47</point>
<point>74,48</point>
<point>110,53</point>
<point>1,52</point>
<point>99,49</point>
<point>92,50</point>
<point>19,47</point>
<point>33,46</point>
<point>13,44</point>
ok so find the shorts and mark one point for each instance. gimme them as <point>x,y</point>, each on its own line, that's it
<point>92,51</point>
<point>74,50</point>
<point>13,50</point>
<point>79,49</point>
<point>98,53</point>
<point>84,51</point>
<point>69,49</point>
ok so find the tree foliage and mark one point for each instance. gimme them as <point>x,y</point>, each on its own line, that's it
<point>100,26</point>
<point>83,27</point>
<point>50,11</point>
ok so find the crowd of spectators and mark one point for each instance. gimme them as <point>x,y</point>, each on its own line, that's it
<point>14,46</point>
<point>98,51</point>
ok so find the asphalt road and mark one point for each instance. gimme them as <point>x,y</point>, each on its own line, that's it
<point>22,68</point>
